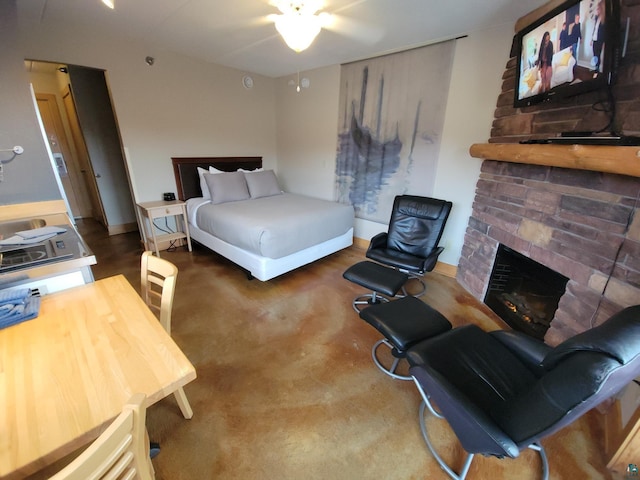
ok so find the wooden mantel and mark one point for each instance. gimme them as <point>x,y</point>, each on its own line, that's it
<point>598,158</point>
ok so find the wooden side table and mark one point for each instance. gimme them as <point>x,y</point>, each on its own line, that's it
<point>622,442</point>
<point>149,211</point>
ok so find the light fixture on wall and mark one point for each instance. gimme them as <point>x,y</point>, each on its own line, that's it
<point>299,24</point>
<point>109,3</point>
<point>301,83</point>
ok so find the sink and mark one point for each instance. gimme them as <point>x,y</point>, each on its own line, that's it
<point>8,229</point>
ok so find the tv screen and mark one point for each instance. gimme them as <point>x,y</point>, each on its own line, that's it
<point>570,50</point>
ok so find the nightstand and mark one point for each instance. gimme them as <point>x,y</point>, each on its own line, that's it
<point>150,211</point>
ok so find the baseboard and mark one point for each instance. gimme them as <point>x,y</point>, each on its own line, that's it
<point>123,228</point>
<point>441,268</point>
<point>446,269</point>
<point>360,243</point>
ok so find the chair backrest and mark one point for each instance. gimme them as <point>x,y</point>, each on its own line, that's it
<point>581,373</point>
<point>158,283</point>
<point>122,451</point>
<point>417,224</point>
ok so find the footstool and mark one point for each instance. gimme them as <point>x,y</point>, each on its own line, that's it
<point>404,323</point>
<point>378,278</point>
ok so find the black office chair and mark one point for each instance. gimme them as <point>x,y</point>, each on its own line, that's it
<point>502,392</point>
<point>411,242</point>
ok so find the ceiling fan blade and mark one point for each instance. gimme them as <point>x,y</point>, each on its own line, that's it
<point>348,6</point>
<point>259,21</point>
<point>360,31</point>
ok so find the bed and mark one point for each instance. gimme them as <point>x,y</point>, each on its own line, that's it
<point>267,235</point>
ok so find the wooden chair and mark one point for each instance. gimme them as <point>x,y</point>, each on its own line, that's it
<point>158,284</point>
<point>122,451</point>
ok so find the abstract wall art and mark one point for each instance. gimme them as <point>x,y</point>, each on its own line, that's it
<point>390,126</point>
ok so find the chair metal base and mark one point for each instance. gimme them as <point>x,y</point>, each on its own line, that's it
<point>418,279</point>
<point>389,371</point>
<point>363,301</point>
<point>426,404</point>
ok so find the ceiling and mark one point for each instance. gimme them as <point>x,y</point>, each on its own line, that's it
<point>237,34</point>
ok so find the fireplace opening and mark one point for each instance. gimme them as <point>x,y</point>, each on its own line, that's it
<point>524,293</point>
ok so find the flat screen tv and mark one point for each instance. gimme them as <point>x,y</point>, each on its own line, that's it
<point>571,50</point>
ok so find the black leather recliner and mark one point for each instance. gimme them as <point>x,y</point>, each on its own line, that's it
<point>411,242</point>
<point>504,391</point>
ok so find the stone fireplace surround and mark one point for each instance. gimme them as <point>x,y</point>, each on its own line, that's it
<point>572,208</point>
<point>576,222</point>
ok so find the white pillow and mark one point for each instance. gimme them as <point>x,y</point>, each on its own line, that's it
<point>204,188</point>
<point>262,184</point>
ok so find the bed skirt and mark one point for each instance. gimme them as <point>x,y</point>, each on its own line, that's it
<point>264,268</point>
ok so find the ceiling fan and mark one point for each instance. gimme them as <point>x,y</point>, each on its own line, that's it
<point>300,21</point>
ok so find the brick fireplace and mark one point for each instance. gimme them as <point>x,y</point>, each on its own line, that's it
<point>582,222</point>
<point>578,223</point>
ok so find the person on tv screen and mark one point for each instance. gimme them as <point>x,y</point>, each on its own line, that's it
<point>597,41</point>
<point>575,35</point>
<point>544,61</point>
<point>564,37</point>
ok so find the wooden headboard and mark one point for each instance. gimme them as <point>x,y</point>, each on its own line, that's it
<point>186,172</point>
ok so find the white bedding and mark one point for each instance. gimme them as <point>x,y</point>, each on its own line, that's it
<point>272,227</point>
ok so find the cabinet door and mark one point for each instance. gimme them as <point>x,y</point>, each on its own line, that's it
<point>622,444</point>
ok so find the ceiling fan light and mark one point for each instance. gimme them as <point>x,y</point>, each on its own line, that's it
<point>298,30</point>
<point>109,3</point>
<point>306,7</point>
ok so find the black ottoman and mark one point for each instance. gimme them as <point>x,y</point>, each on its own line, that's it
<point>381,280</point>
<point>404,323</point>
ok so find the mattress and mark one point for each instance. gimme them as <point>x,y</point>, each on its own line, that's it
<point>275,226</point>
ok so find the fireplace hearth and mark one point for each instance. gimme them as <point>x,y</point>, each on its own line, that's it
<point>524,293</point>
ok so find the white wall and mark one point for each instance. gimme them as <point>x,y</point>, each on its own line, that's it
<point>476,81</point>
<point>177,107</point>
<point>28,177</point>
<point>307,126</point>
<point>183,107</point>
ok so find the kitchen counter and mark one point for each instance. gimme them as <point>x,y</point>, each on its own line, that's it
<point>55,264</point>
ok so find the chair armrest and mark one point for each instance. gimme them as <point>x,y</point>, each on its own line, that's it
<point>430,262</point>
<point>529,350</point>
<point>378,241</point>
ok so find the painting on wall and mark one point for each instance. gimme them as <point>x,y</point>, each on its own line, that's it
<point>390,126</point>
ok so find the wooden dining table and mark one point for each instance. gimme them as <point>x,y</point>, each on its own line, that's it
<point>65,375</point>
